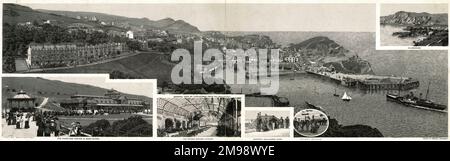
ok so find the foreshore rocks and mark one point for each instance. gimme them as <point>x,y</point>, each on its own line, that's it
<point>337,130</point>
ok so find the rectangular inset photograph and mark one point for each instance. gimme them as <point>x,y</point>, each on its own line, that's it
<point>268,122</point>
<point>86,105</point>
<point>199,116</point>
<point>415,26</point>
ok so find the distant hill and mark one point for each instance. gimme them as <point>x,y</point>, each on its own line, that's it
<point>352,65</point>
<point>178,25</point>
<point>327,46</point>
<point>132,23</point>
<point>56,90</point>
<point>13,13</point>
<point>323,49</point>
<point>414,18</point>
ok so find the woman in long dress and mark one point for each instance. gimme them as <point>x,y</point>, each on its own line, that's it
<point>18,121</point>
<point>27,121</point>
<point>14,118</point>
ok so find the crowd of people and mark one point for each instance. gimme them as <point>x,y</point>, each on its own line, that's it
<point>87,112</point>
<point>309,124</point>
<point>47,122</point>
<point>20,119</point>
<point>266,123</point>
<point>49,125</point>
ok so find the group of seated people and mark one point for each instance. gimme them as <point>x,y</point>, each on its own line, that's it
<point>49,125</point>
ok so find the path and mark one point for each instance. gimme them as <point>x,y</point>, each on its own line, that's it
<point>212,131</point>
<point>10,131</point>
<point>44,102</point>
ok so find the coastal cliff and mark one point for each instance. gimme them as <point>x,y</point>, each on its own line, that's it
<point>351,65</point>
<point>414,19</point>
<point>327,52</point>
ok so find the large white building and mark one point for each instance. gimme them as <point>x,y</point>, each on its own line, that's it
<point>130,34</point>
<point>291,59</point>
<point>56,55</point>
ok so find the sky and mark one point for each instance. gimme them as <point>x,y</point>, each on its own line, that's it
<point>244,17</point>
<point>250,114</point>
<point>388,9</point>
<point>131,87</point>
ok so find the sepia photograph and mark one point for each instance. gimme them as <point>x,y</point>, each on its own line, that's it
<point>76,106</point>
<point>413,24</point>
<point>268,122</point>
<point>199,116</point>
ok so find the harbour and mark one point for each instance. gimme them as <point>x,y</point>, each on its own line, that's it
<point>370,107</point>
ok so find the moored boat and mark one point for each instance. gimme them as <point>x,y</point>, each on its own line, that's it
<point>335,94</point>
<point>309,105</point>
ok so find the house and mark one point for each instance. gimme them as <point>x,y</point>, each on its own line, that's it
<point>130,34</point>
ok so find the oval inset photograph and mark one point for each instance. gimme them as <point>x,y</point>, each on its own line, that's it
<point>310,122</point>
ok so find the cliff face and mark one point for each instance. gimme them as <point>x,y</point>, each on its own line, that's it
<point>414,19</point>
<point>352,65</point>
<point>321,45</point>
<point>332,54</point>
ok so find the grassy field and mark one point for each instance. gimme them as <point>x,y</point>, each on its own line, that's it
<point>147,65</point>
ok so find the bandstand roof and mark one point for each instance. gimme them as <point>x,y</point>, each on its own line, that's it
<point>21,95</point>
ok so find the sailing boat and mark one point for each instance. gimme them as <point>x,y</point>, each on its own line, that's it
<point>346,97</point>
<point>335,94</point>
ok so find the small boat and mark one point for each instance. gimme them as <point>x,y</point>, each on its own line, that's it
<point>346,97</point>
<point>335,94</point>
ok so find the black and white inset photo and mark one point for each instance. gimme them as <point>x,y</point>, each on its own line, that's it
<point>268,122</point>
<point>80,105</point>
<point>199,116</point>
<point>310,122</point>
<point>424,25</point>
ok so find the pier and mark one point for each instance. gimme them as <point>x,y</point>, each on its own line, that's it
<point>370,82</point>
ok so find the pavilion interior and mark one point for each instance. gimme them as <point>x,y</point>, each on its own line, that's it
<point>199,117</point>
